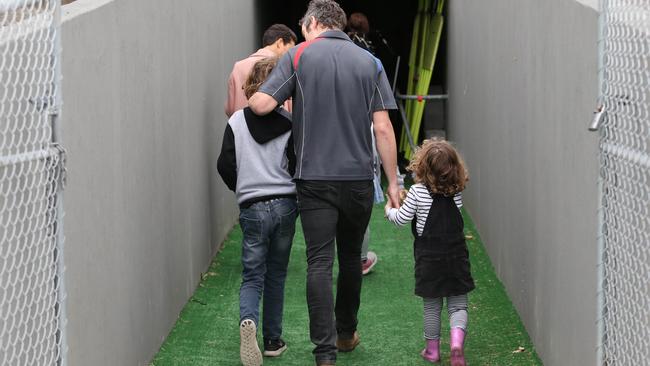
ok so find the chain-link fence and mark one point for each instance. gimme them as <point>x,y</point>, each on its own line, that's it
<point>31,285</point>
<point>625,182</point>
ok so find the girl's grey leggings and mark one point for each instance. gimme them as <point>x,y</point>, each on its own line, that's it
<point>457,308</point>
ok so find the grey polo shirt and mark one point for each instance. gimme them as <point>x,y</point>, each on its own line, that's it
<point>336,87</point>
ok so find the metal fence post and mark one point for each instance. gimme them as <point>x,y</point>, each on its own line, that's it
<point>60,213</point>
<point>600,239</point>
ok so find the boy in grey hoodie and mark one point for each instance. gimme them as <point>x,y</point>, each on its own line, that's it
<point>257,163</point>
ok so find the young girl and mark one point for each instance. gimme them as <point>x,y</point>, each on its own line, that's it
<point>441,258</point>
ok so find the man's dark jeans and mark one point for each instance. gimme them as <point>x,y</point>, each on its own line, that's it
<point>333,212</point>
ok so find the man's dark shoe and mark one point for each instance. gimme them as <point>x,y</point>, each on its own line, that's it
<point>274,347</point>
<point>348,345</point>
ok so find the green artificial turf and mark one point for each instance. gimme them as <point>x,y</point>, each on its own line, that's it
<point>390,318</point>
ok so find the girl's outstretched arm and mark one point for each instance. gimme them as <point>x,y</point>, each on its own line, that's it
<point>406,212</point>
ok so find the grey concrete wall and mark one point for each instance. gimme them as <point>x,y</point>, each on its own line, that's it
<point>143,90</point>
<point>522,83</point>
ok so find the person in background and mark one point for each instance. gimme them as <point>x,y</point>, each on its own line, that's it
<point>257,163</point>
<point>277,40</point>
<point>442,268</point>
<point>372,40</point>
<point>358,28</point>
<point>339,91</point>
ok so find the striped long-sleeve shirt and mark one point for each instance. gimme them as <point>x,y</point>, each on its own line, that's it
<point>417,202</point>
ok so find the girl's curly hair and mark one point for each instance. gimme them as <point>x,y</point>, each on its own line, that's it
<point>438,166</point>
<point>258,75</point>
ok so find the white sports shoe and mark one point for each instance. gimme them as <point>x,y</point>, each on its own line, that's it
<point>369,263</point>
<point>249,351</point>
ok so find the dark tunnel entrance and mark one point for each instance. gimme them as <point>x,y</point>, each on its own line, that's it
<point>391,28</point>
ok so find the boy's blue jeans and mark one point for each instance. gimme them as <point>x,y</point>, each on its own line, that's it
<point>268,229</point>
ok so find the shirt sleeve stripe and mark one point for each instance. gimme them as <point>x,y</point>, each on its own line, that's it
<point>286,81</point>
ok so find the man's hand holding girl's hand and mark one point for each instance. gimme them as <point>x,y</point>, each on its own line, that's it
<point>402,196</point>
<point>387,207</point>
<point>392,193</point>
<point>392,198</point>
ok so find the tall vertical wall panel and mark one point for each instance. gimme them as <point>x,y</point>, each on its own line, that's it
<point>144,86</point>
<point>523,81</point>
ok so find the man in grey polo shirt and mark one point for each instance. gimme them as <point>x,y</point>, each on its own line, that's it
<point>339,90</point>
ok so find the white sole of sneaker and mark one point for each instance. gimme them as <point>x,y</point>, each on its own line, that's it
<point>275,353</point>
<point>249,351</point>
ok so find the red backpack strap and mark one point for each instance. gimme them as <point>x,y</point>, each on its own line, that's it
<point>301,49</point>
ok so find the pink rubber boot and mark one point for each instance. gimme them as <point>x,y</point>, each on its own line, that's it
<point>457,346</point>
<point>432,352</point>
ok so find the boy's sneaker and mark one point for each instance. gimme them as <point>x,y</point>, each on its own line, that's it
<point>366,265</point>
<point>249,351</point>
<point>274,348</point>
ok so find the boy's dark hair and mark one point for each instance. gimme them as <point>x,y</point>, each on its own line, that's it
<point>258,75</point>
<point>438,166</point>
<point>278,31</point>
<point>327,12</point>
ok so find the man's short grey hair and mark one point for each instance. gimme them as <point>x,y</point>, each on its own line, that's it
<point>327,12</point>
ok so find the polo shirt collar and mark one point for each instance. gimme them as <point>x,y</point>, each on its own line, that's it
<point>334,34</point>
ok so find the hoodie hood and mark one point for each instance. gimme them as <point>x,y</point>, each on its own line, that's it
<point>266,128</point>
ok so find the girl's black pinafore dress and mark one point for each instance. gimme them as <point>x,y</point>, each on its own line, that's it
<point>442,266</point>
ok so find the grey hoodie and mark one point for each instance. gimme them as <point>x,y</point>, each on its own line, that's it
<point>257,159</point>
